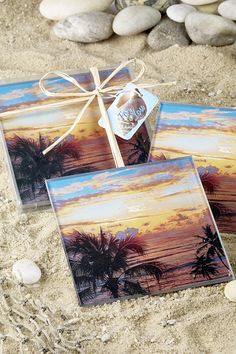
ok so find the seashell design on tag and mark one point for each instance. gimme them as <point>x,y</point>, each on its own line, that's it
<point>132,108</point>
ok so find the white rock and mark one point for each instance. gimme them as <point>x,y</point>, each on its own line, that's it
<point>171,322</point>
<point>86,27</point>
<point>227,9</point>
<point>160,5</point>
<point>198,2</point>
<point>59,9</point>
<point>163,323</point>
<point>135,19</point>
<point>211,94</point>
<point>105,337</point>
<point>178,12</point>
<point>230,290</point>
<point>26,271</point>
<point>210,29</point>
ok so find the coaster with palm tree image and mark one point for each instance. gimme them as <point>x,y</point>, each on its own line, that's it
<point>209,135</point>
<point>27,134</point>
<point>138,230</point>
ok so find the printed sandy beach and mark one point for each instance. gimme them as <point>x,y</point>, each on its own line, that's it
<point>209,135</point>
<point>138,230</point>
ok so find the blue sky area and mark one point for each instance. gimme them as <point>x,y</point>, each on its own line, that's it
<point>164,172</point>
<point>22,92</point>
<point>186,115</point>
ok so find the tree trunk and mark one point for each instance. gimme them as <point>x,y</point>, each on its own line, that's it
<point>112,285</point>
<point>219,256</point>
<point>114,293</point>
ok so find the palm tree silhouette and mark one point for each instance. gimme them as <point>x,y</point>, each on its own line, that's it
<point>210,181</point>
<point>104,259</point>
<point>204,267</point>
<point>210,243</point>
<point>211,184</point>
<point>218,209</point>
<point>139,151</point>
<point>160,157</point>
<point>31,167</point>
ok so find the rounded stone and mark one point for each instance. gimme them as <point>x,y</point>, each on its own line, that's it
<point>112,9</point>
<point>105,337</point>
<point>210,8</point>
<point>230,290</point>
<point>179,12</point>
<point>59,9</point>
<point>210,29</point>
<point>160,5</point>
<point>26,271</point>
<point>86,27</point>
<point>198,2</point>
<point>227,9</point>
<point>166,34</point>
<point>135,19</point>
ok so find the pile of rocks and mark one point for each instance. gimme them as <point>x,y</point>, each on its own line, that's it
<point>208,22</point>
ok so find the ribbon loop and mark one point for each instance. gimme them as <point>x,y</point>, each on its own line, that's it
<point>66,77</point>
<point>99,92</point>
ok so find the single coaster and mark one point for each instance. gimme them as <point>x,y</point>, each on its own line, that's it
<point>209,135</point>
<point>25,135</point>
<point>138,230</point>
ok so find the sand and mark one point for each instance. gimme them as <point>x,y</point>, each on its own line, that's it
<point>205,320</point>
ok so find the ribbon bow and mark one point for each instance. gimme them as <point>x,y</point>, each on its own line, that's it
<point>101,90</point>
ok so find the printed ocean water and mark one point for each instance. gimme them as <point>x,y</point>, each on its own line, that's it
<point>138,230</point>
<point>26,134</point>
<point>209,135</point>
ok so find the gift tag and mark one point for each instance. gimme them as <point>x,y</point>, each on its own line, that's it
<point>129,110</point>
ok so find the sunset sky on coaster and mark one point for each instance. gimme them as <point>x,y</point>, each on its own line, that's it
<point>142,197</point>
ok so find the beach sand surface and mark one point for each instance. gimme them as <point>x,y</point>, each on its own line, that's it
<point>205,319</point>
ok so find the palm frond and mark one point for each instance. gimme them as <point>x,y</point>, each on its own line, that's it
<point>160,157</point>
<point>119,261</point>
<point>31,167</point>
<point>154,269</point>
<point>85,295</point>
<point>204,266</point>
<point>25,194</point>
<point>218,209</point>
<point>210,182</point>
<point>202,248</point>
<point>133,288</point>
<point>69,148</point>
<point>80,266</point>
<point>140,150</point>
<point>82,243</point>
<point>84,280</point>
<point>133,244</point>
